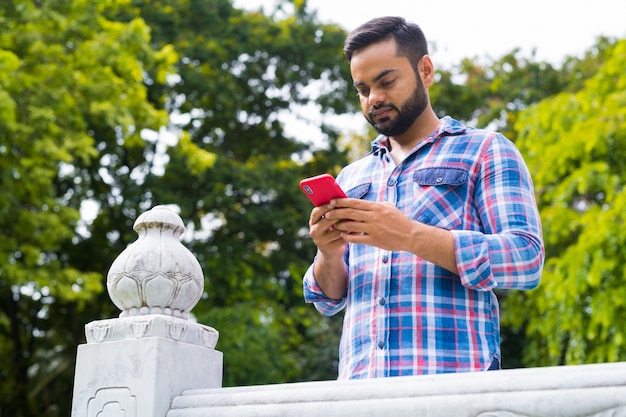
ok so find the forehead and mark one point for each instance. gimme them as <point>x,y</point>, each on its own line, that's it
<point>369,63</point>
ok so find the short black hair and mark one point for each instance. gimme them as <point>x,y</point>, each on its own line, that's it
<point>409,37</point>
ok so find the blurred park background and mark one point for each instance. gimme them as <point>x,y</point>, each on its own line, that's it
<point>109,108</point>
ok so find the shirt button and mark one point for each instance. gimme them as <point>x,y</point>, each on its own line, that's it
<point>385,259</point>
<point>381,345</point>
<point>382,301</point>
<point>391,183</point>
<point>439,180</point>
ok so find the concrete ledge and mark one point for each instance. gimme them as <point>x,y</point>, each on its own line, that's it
<point>576,391</point>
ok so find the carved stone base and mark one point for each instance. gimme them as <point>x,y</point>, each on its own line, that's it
<point>140,377</point>
<point>153,325</point>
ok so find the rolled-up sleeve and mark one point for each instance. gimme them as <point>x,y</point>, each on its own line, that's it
<point>507,261</point>
<point>314,294</point>
<point>508,252</point>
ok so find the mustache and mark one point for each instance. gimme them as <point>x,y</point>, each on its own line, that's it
<point>381,106</point>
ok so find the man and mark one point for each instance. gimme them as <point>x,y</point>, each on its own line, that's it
<point>439,215</point>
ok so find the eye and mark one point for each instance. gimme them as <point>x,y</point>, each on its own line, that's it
<point>363,92</point>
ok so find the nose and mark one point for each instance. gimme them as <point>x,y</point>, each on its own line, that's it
<point>376,97</point>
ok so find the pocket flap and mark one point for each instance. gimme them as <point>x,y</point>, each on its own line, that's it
<point>358,191</point>
<point>440,176</point>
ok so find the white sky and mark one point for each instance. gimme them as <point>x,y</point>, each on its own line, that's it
<point>470,28</point>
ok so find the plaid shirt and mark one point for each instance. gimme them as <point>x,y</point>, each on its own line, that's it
<point>407,316</point>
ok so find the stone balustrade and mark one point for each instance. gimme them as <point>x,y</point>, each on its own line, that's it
<point>573,391</point>
<point>155,361</point>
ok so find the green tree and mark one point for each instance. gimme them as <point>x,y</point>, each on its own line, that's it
<point>575,145</point>
<point>235,172</point>
<point>72,95</point>
<point>492,92</point>
<point>93,134</point>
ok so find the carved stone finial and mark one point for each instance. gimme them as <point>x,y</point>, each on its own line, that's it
<point>156,274</point>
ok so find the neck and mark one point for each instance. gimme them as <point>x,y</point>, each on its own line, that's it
<point>423,127</point>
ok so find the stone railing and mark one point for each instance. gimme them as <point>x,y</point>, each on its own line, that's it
<point>154,361</point>
<point>576,391</point>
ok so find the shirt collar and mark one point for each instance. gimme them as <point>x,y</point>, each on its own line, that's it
<point>449,126</point>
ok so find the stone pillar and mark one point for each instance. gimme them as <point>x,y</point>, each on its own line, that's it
<point>134,365</point>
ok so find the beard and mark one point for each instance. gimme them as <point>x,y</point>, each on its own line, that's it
<point>410,110</point>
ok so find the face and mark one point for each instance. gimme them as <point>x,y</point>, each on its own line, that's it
<point>406,114</point>
<point>391,92</point>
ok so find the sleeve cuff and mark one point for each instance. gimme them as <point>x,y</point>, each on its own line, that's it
<point>314,294</point>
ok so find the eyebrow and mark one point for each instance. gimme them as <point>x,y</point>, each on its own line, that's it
<point>377,78</point>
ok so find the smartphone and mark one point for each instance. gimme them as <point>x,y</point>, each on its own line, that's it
<point>321,189</point>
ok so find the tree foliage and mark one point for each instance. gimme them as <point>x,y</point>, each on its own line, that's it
<point>87,90</point>
<point>491,94</point>
<point>121,105</point>
<point>575,145</point>
<point>237,73</point>
<point>72,104</point>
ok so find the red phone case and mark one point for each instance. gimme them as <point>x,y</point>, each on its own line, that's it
<point>321,189</point>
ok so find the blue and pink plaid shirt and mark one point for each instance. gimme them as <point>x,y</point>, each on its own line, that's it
<point>407,316</point>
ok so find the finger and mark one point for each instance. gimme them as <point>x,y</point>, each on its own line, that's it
<point>326,238</point>
<point>356,238</point>
<point>316,215</point>
<point>344,214</point>
<point>351,227</point>
<point>354,203</point>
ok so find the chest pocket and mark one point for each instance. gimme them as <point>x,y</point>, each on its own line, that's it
<point>441,196</point>
<point>359,191</point>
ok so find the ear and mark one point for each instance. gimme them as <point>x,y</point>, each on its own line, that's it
<point>426,70</point>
